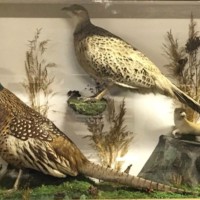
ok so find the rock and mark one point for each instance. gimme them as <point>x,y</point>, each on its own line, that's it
<point>174,161</point>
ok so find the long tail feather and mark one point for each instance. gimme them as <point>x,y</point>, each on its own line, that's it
<point>184,98</point>
<point>107,174</point>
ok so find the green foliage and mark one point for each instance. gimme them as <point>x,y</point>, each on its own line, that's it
<point>77,189</point>
<point>38,83</point>
<point>184,64</point>
<point>113,143</point>
<point>86,107</point>
<point>72,189</point>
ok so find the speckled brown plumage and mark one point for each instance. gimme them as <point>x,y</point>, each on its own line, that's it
<point>108,58</point>
<point>29,140</point>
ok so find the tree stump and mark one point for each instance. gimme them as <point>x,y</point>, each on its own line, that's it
<point>174,161</point>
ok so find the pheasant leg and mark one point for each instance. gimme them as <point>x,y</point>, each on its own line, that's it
<point>99,95</point>
<point>3,167</point>
<point>16,184</point>
<point>17,181</point>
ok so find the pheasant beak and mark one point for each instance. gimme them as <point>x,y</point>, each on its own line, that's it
<point>68,11</point>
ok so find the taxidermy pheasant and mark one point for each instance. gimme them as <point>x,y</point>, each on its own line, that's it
<point>29,140</point>
<point>109,59</point>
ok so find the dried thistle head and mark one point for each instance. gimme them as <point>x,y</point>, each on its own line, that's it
<point>180,66</point>
<point>175,54</point>
<point>184,64</point>
<point>193,41</point>
<point>192,44</point>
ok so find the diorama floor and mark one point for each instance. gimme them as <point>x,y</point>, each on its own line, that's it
<point>83,188</point>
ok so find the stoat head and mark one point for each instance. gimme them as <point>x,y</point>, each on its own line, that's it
<point>179,113</point>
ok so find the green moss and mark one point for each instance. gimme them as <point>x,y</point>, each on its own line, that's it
<point>91,108</point>
<point>79,189</point>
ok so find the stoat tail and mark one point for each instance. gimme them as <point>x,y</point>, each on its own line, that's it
<point>184,98</point>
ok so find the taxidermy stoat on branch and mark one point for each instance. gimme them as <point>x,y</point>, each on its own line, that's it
<point>184,126</point>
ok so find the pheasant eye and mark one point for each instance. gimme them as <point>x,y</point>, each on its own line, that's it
<point>78,12</point>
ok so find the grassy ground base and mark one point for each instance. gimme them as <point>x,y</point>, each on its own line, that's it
<point>82,188</point>
<point>90,108</point>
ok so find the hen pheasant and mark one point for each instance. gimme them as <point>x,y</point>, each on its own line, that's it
<point>110,59</point>
<point>29,140</point>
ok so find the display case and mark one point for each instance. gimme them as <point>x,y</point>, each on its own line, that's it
<point>133,129</point>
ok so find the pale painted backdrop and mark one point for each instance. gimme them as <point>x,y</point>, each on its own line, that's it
<point>148,116</point>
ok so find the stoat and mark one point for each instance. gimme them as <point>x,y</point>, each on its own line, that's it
<point>184,126</point>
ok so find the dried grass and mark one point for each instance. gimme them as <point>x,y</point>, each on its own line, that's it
<point>184,64</point>
<point>38,82</point>
<point>113,143</point>
<point>177,179</point>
